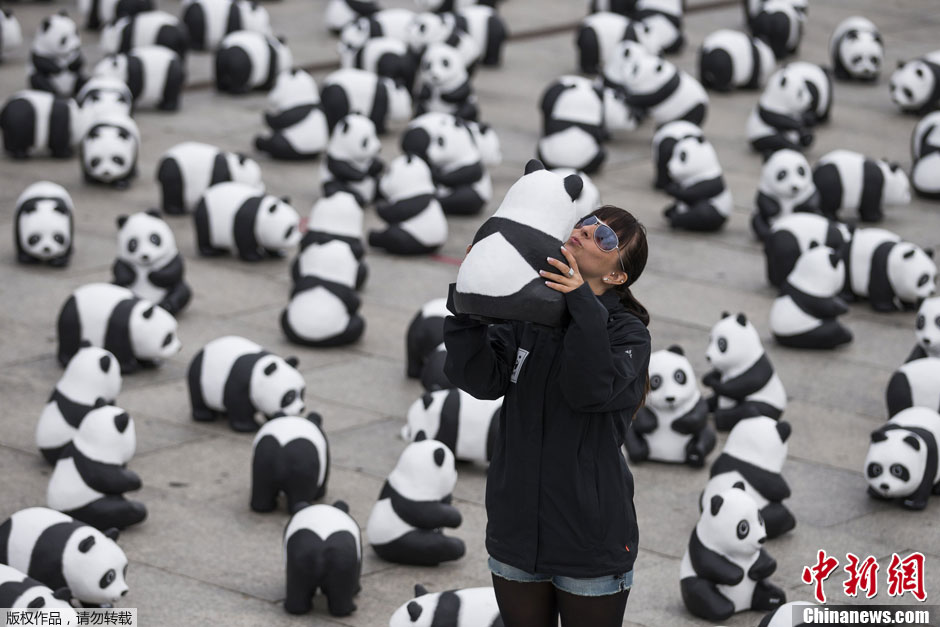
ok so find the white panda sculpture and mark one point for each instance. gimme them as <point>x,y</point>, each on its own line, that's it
<point>289,454</point>
<point>663,22</point>
<point>147,28</point>
<point>915,384</point>
<point>43,226</point>
<point>927,329</point>
<point>209,21</point>
<point>590,198</point>
<point>19,590</point>
<point>915,84</point>
<point>467,607</point>
<point>573,129</point>
<point>406,524</point>
<point>443,84</point>
<point>235,377</point>
<point>11,33</point>
<point>236,218</point>
<point>109,150</point>
<point>665,92</point>
<point>39,122</point>
<point>487,29</point>
<point>902,462</point>
<point>673,424</point>
<point>322,549</point>
<point>102,96</point>
<point>702,200</point>
<point>892,274</point>
<point>334,217</point>
<point>352,161</point>
<point>786,187</point>
<point>499,278</point>
<point>154,74</point>
<point>295,118</point>
<point>856,49</point>
<point>394,22</point>
<point>188,169</point>
<point>805,314</point>
<point>729,59</point>
<point>754,455</point>
<point>599,34</point>
<point>792,235</point>
<point>91,381</point>
<point>137,332</point>
<point>725,568</point>
<point>341,12</point>
<point>246,60</point>
<point>743,379</point>
<point>819,85</point>
<point>664,142</point>
<point>56,61</point>
<point>416,224</point>
<point>91,477</point>
<point>781,118</point>
<point>97,13</point>
<point>780,25</point>
<point>59,551</point>
<point>149,263</point>
<point>324,307</point>
<point>849,180</point>
<point>383,56</point>
<point>351,90</point>
<point>925,155</point>
<point>467,425</point>
<point>427,29</point>
<point>425,334</point>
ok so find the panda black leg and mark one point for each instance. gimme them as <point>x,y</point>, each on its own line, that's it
<point>342,582</point>
<point>302,473</point>
<point>421,548</point>
<point>699,447</point>
<point>279,148</point>
<point>637,447</point>
<point>703,599</point>
<point>177,299</point>
<point>725,419</point>
<point>462,202</point>
<point>697,218</point>
<point>171,183</point>
<point>595,164</point>
<point>936,489</point>
<point>200,410</point>
<point>777,519</point>
<point>242,419</point>
<point>60,262</point>
<point>767,596</point>
<point>397,241</point>
<point>111,511</point>
<point>69,331</point>
<point>300,588</point>
<point>264,485</point>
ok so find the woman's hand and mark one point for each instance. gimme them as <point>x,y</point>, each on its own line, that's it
<point>568,277</point>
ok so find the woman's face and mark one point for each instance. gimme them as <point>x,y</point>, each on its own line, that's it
<point>592,261</point>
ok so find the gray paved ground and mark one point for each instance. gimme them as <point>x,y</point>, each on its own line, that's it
<point>203,558</point>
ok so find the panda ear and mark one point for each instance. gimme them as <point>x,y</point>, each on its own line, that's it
<point>929,252</point>
<point>851,34</point>
<point>574,185</point>
<point>700,139</point>
<point>416,141</point>
<point>919,72</point>
<point>834,259</point>
<point>439,456</point>
<point>913,442</point>
<point>105,362</point>
<point>292,361</point>
<point>344,126</point>
<point>813,244</point>
<point>427,399</point>
<point>878,436</point>
<point>153,213</point>
<point>85,545</point>
<point>420,436</point>
<point>901,63</point>
<point>148,312</point>
<point>299,505</point>
<point>784,429</point>
<point>716,504</point>
<point>342,506</point>
<point>242,158</point>
<point>85,344</point>
<point>285,200</point>
<point>420,590</point>
<point>111,533</point>
<point>100,402</point>
<point>533,165</point>
<point>739,485</point>
<point>315,418</point>
<point>414,611</point>
<point>675,348</point>
<point>63,594</point>
<point>783,80</point>
<point>63,13</point>
<point>724,314</point>
<point>742,319</point>
<point>282,39</point>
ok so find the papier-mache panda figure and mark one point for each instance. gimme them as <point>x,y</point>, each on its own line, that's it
<point>289,454</point>
<point>91,477</point>
<point>39,122</point>
<point>351,90</point>
<point>573,129</point>
<point>324,307</point>
<point>11,33</point>
<point>792,235</point>
<point>209,21</point>
<point>98,13</point>
<point>849,180</point>
<point>805,314</point>
<point>416,224</point>
<point>425,333</point>
<point>149,28</point>
<point>590,198</point>
<point>426,29</point>
<point>235,218</point>
<point>725,569</point>
<point>786,187</point>
<point>856,50</point>
<point>787,615</point>
<point>915,384</point>
<point>383,56</point>
<point>187,170</point>
<point>663,22</point>
<point>702,200</point>
<point>322,549</point>
<point>394,22</point>
<point>662,90</point>
<point>137,332</point>
<point>91,381</point>
<point>246,61</point>
<point>109,150</point>
<point>467,425</point>
<point>902,462</point>
<point>780,25</point>
<point>819,85</point>
<point>754,454</point>
<point>61,552</point>
<point>295,117</point>
<point>352,161</point>
<point>781,118</point>
<point>743,380</point>
<point>406,524</point>
<point>56,60</point>
<point>467,607</point>
<point>927,330</point>
<point>598,35</point>
<point>499,278</point>
<point>102,96</point>
<point>154,74</point>
<point>148,261</point>
<point>235,377</point>
<point>925,155</point>
<point>486,28</point>
<point>673,424</point>
<point>339,13</point>
<point>730,59</point>
<point>915,84</point>
<point>43,225</point>
<point>443,84</point>
<point>664,143</point>
<point>334,217</point>
<point>892,274</point>
<point>19,590</point>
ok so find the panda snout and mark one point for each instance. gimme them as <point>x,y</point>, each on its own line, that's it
<point>927,341</point>
<point>145,258</point>
<point>46,249</point>
<point>670,399</point>
<point>884,487</point>
<point>762,540</point>
<point>124,592</point>
<point>795,188</point>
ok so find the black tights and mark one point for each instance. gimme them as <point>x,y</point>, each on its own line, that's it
<point>539,605</point>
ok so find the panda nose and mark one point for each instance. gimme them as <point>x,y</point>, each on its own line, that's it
<point>927,340</point>
<point>670,399</point>
<point>884,486</point>
<point>145,258</point>
<point>795,189</point>
<point>46,249</point>
<point>124,593</point>
<point>762,540</point>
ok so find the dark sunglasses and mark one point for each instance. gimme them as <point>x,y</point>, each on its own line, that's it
<point>604,236</point>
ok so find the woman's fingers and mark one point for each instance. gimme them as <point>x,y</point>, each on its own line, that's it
<point>569,256</point>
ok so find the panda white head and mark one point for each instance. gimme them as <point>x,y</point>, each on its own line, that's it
<point>113,66</point>
<point>354,35</point>
<point>897,458</point>
<point>111,34</point>
<point>897,187</point>
<point>354,139</point>
<point>291,89</point>
<point>442,66</point>
<point>787,175</point>
<point>424,415</point>
<point>590,198</point>
<point>912,85</point>
<point>425,471</point>
<point>109,149</point>
<point>339,214</point>
<point>92,374</point>
<point>672,381</point>
<point>693,159</point>
<point>104,96</point>
<point>44,220</point>
<point>399,100</point>
<point>277,226</point>
<point>107,435</point>
<point>277,386</point>
<point>254,17</point>
<point>543,200</point>
<point>57,36</point>
<point>94,566</point>
<point>11,34</point>
<point>819,272</point>
<point>145,240</point>
<point>244,169</point>
<point>786,93</point>
<point>426,29</point>
<point>647,74</point>
<point>331,261</point>
<point>487,142</point>
<point>407,176</point>
<point>626,55</point>
<point>860,49</point>
<point>153,332</point>
<point>731,524</point>
<point>927,327</point>
<point>733,343</point>
<point>760,441</point>
<point>912,272</point>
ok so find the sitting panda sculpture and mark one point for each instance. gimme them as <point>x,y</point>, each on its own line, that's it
<point>416,224</point>
<point>925,155</point>
<point>915,84</point>
<point>856,50</point>
<point>336,217</point>
<point>780,25</point>
<point>289,454</point>
<point>406,524</point>
<point>901,463</point>
<point>792,235</point>
<point>782,117</point>
<point>444,85</point>
<point>187,170</point>
<point>849,180</point>
<point>786,186</point>
<point>729,59</point>
<point>425,333</point>
<point>467,425</point>
<point>927,329</point>
<point>43,226</point>
<point>892,274</point>
<point>664,143</point>
<point>353,91</point>
<point>467,607</point>
<point>818,83</point>
<point>915,384</point>
<point>295,117</point>
<point>673,424</point>
<point>209,21</point>
<point>599,34</point>
<point>573,129</point>
<point>352,161</point>
<point>702,200</point>
<point>56,61</point>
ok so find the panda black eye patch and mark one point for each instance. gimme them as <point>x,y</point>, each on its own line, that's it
<point>655,382</point>
<point>132,244</point>
<point>722,344</point>
<point>679,376</point>
<point>743,529</point>
<point>801,171</point>
<point>155,239</point>
<point>782,174</point>
<point>107,579</point>
<point>95,162</point>
<point>874,470</point>
<point>59,238</point>
<point>118,160</point>
<point>937,321</point>
<point>900,472</point>
<point>33,240</point>
<point>289,398</point>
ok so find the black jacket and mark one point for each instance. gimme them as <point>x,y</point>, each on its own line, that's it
<point>559,495</point>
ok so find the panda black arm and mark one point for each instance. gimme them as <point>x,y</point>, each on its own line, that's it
<point>169,275</point>
<point>458,95</point>
<point>288,117</point>
<point>45,65</point>
<point>107,478</point>
<point>423,514</point>
<point>917,353</point>
<point>751,380</point>
<point>343,170</point>
<point>645,421</point>
<point>461,176</point>
<point>403,209</point>
<point>767,206</point>
<point>711,565</point>
<point>705,189</point>
<point>781,121</point>
<point>124,273</point>
<point>763,568</point>
<point>694,421</point>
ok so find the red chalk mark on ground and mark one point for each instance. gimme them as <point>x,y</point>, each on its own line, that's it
<point>446,259</point>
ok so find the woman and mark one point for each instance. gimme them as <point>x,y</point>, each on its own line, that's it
<point>561,530</point>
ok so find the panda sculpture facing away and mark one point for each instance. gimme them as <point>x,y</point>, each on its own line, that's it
<point>187,170</point>
<point>296,119</point>
<point>290,454</point>
<point>416,223</point>
<point>154,74</point>
<point>915,384</point>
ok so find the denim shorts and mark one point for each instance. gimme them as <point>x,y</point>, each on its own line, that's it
<point>592,587</point>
